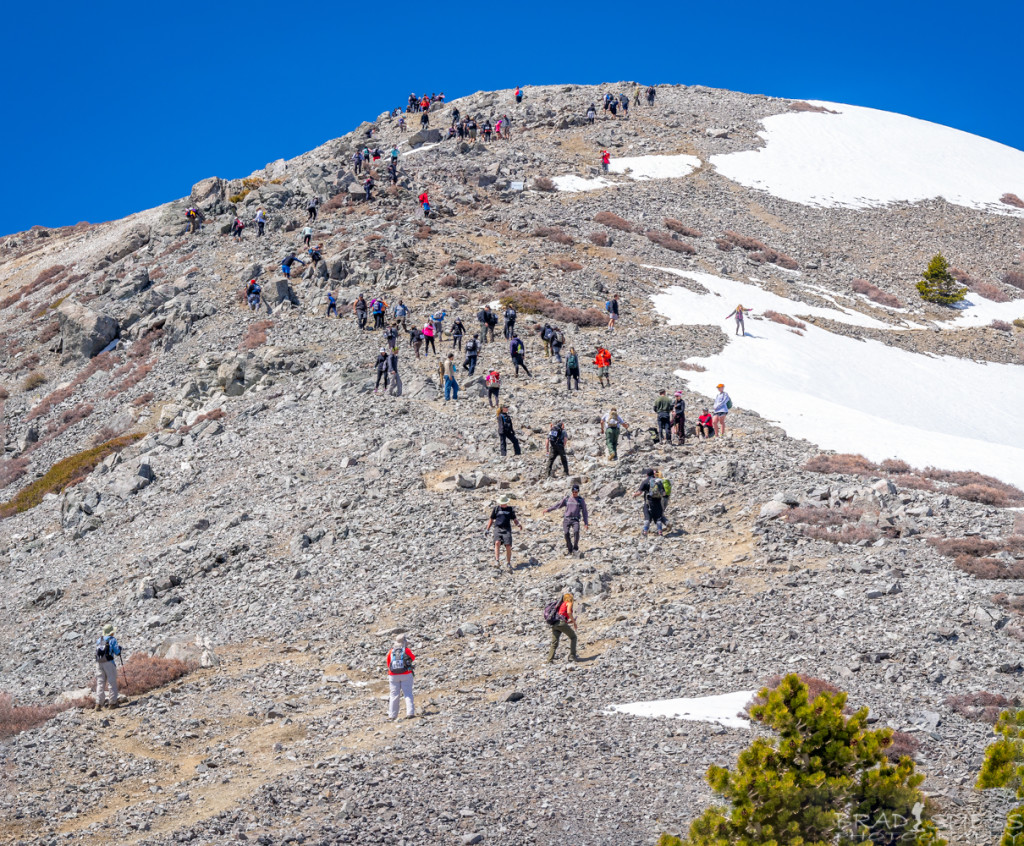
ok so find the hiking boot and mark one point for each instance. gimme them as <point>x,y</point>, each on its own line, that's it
<point>98,706</point>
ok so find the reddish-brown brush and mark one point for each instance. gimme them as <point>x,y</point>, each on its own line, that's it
<point>15,719</point>
<point>599,239</point>
<point>478,271</point>
<point>663,239</point>
<point>613,221</point>
<point>982,707</point>
<point>1012,200</point>
<point>146,673</point>
<point>1014,278</point>
<point>553,233</point>
<point>567,265</point>
<point>534,302</point>
<point>681,228</point>
<point>843,463</point>
<point>255,335</point>
<point>784,319</point>
<point>876,294</point>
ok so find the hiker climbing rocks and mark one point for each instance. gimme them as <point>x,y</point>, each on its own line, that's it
<point>738,314</point>
<point>705,425</point>
<point>286,265</point>
<point>506,432</point>
<point>557,441</point>
<point>107,649</point>
<point>508,330</point>
<point>311,208</point>
<point>650,96</point>
<point>572,369</point>
<point>316,254</point>
<point>253,294</point>
<point>605,160</point>
<point>428,338</point>
<point>603,360</point>
<point>393,172</point>
<point>472,351</point>
<point>307,233</point>
<point>562,622</point>
<point>503,516</point>
<point>261,222</point>
<point>236,228</point>
<point>679,417</point>
<point>591,113</point>
<point>401,312</point>
<point>400,663</point>
<point>611,308</point>
<point>368,184</point>
<point>357,162</point>
<point>458,330</point>
<point>663,409</point>
<point>575,510</point>
<point>493,382</point>
<point>359,308</point>
<point>332,304</point>
<point>451,387</point>
<point>720,410</point>
<point>518,353</point>
<point>424,201</point>
<point>611,426</point>
<point>653,491</point>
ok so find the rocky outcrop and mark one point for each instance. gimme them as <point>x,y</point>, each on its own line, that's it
<point>84,332</point>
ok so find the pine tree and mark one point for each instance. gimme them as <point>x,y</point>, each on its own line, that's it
<point>1004,767</point>
<point>823,780</point>
<point>937,284</point>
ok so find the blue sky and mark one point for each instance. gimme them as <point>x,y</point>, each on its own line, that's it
<point>117,107</point>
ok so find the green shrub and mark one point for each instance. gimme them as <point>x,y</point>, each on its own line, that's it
<point>822,778</point>
<point>1004,768</point>
<point>937,284</point>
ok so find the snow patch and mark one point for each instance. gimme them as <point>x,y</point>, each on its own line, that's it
<point>723,708</point>
<point>862,158</point>
<point>855,395</point>
<point>655,167</point>
<point>572,184</point>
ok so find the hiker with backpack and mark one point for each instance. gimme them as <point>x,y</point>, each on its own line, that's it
<point>286,264</point>
<point>653,491</point>
<point>591,113</point>
<point>557,340</point>
<point>603,360</point>
<point>332,304</point>
<point>519,95</point>
<point>381,366</point>
<point>236,228</point>
<point>472,351</point>
<point>705,425</point>
<point>458,330</point>
<point>611,308</point>
<point>107,648</point>
<point>451,387</point>
<point>679,417</point>
<point>483,317</point>
<point>437,319</point>
<point>575,510</point>
<point>738,313</point>
<point>391,336</point>
<point>393,377</point>
<point>368,188</point>
<point>506,432</point>
<point>518,353</point>
<point>261,221</point>
<point>493,382</point>
<point>400,662</point>
<point>546,333</point>
<point>378,308</point>
<point>252,294</point>
<point>559,615</point>
<point>650,96</point>
<point>720,410</point>
<point>572,369</point>
<point>424,201</point>
<point>663,409</point>
<point>316,254</point>
<point>359,308</point>
<point>557,441</point>
<point>509,328</point>
<point>503,516</point>
<point>611,425</point>
<point>416,339</point>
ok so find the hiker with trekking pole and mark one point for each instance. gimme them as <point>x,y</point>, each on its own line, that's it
<point>107,649</point>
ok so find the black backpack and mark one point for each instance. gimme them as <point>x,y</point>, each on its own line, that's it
<point>506,423</point>
<point>103,652</point>
<point>557,436</point>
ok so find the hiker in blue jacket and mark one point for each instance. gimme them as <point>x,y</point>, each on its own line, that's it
<point>518,351</point>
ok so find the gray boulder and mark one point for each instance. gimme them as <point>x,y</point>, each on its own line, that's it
<point>84,332</point>
<point>424,136</point>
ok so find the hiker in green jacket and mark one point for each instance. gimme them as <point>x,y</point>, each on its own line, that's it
<point>663,408</point>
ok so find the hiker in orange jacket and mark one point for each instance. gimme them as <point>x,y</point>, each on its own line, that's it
<point>604,363</point>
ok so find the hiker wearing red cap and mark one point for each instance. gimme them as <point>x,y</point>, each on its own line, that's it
<point>720,410</point>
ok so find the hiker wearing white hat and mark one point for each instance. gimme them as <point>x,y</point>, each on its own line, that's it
<point>106,670</point>
<point>503,516</point>
<point>400,675</point>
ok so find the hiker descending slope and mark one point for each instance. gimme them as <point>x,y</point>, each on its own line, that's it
<point>506,432</point>
<point>557,441</point>
<point>286,264</point>
<point>559,615</point>
<point>493,382</point>
<point>611,426</point>
<point>603,360</point>
<point>653,491</point>
<point>107,649</point>
<point>400,663</point>
<point>738,314</point>
<point>472,351</point>
<point>575,511</point>
<point>503,516</point>
<point>509,328</point>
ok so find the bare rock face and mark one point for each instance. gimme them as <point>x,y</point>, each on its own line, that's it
<point>134,239</point>
<point>207,192</point>
<point>84,332</point>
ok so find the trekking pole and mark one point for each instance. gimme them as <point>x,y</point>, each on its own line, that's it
<point>127,686</point>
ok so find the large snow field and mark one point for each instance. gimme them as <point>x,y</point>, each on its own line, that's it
<point>863,157</point>
<point>641,168</point>
<point>854,395</point>
<point>723,708</point>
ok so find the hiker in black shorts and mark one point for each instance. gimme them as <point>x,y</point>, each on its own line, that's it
<point>503,516</point>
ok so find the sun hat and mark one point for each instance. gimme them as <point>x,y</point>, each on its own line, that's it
<point>400,640</point>
<point>108,629</point>
<point>720,385</point>
<point>503,499</point>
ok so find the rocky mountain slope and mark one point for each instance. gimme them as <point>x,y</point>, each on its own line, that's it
<point>277,510</point>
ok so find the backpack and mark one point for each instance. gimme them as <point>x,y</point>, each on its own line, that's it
<point>519,349</point>
<point>572,362</point>
<point>506,423</point>
<point>557,436</point>
<point>608,306</point>
<point>493,378</point>
<point>656,489</point>
<point>399,661</point>
<point>728,403</point>
<point>558,338</point>
<point>103,652</point>
<point>551,612</point>
<point>667,485</point>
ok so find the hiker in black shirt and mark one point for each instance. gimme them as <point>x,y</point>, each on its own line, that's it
<point>557,439</point>
<point>503,516</point>
<point>505,431</point>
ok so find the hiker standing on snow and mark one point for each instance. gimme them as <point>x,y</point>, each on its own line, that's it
<point>720,410</point>
<point>564,624</point>
<point>400,675</point>
<point>557,440</point>
<point>663,408</point>
<point>738,314</point>
<point>506,432</point>
<point>107,649</point>
<point>611,426</point>
<point>653,491</point>
<point>575,510</point>
<point>503,516</point>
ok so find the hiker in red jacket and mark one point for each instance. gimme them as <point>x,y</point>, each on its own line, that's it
<point>425,202</point>
<point>605,160</point>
